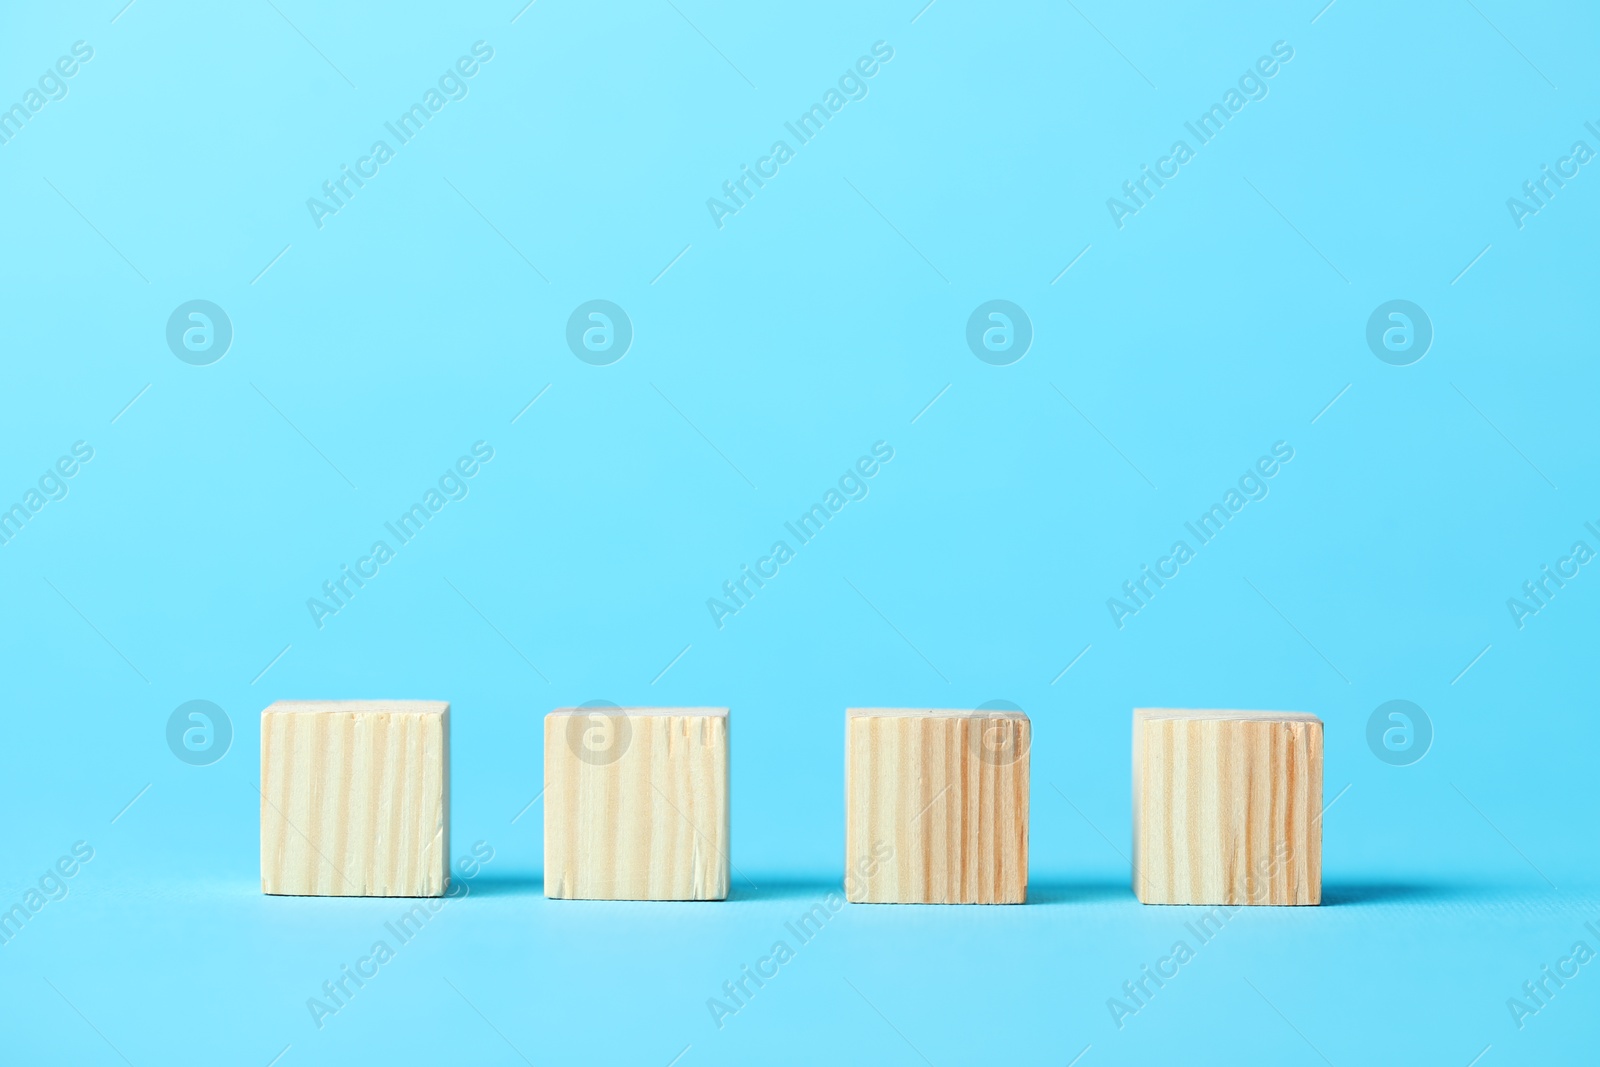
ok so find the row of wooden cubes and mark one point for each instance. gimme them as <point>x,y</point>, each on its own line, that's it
<point>355,802</point>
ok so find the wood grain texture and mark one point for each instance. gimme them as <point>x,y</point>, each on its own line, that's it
<point>936,806</point>
<point>1227,807</point>
<point>636,803</point>
<point>355,798</point>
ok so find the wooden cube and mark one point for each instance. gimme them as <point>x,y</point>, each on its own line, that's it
<point>355,798</point>
<point>1227,807</point>
<point>636,803</point>
<point>936,806</point>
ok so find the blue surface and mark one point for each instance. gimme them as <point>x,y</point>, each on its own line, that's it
<point>371,347</point>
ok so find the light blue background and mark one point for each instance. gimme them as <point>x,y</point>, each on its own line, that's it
<point>822,318</point>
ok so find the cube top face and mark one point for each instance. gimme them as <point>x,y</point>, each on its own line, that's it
<point>355,798</point>
<point>1227,807</point>
<point>936,713</point>
<point>604,710</point>
<point>936,806</point>
<point>1224,716</point>
<point>358,707</point>
<point>636,803</point>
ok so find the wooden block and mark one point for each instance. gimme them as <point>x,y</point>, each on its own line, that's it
<point>936,806</point>
<point>1227,807</point>
<point>636,803</point>
<point>355,798</point>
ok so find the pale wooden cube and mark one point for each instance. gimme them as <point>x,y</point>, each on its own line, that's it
<point>936,806</point>
<point>636,803</point>
<point>355,798</point>
<point>1227,807</point>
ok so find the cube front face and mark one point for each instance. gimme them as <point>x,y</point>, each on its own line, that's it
<point>355,798</point>
<point>936,806</point>
<point>1227,807</point>
<point>636,804</point>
